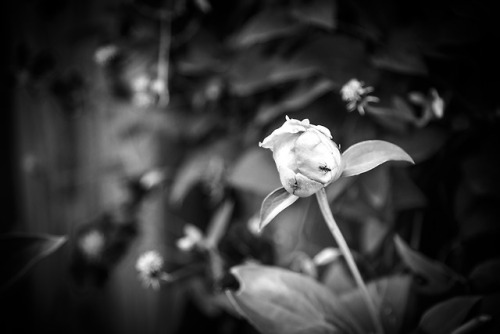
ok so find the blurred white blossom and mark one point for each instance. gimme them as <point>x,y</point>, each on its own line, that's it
<point>150,268</point>
<point>152,179</point>
<point>356,95</point>
<point>105,53</point>
<point>192,237</point>
<point>92,244</point>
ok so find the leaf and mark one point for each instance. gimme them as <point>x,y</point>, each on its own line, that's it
<point>421,144</point>
<point>339,58</point>
<point>198,164</point>
<point>218,224</point>
<point>391,297</point>
<point>394,117</point>
<point>299,98</point>
<point>405,194</point>
<point>252,72</point>
<point>255,171</point>
<point>448,315</point>
<point>23,251</point>
<point>376,185</point>
<point>402,53</point>
<point>273,204</point>
<point>364,156</point>
<point>337,277</point>
<point>316,12</point>
<point>278,301</point>
<point>485,278</point>
<point>265,26</point>
<point>439,278</point>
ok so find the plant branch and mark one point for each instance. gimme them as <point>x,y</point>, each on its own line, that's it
<point>344,249</point>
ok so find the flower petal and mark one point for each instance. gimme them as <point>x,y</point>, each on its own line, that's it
<point>305,187</point>
<point>317,157</point>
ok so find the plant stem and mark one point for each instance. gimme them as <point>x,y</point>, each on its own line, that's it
<point>344,249</point>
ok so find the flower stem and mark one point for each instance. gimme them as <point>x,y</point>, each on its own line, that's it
<point>344,249</point>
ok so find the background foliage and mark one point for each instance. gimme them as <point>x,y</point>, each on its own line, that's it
<point>235,69</point>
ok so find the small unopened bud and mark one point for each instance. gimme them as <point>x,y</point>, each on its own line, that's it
<point>305,155</point>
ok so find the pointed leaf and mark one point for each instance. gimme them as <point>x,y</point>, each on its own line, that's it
<point>255,171</point>
<point>485,278</point>
<point>246,78</point>
<point>364,156</point>
<point>300,97</point>
<point>316,12</point>
<point>439,278</point>
<point>265,26</point>
<point>278,301</point>
<point>23,251</point>
<point>273,204</point>
<point>219,223</point>
<point>448,315</point>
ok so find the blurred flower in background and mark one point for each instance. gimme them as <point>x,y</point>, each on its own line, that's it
<point>150,268</point>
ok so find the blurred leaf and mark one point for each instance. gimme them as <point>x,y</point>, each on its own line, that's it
<point>326,256</point>
<point>405,193</point>
<point>339,57</point>
<point>422,143</point>
<point>402,53</point>
<point>316,12</point>
<point>374,234</point>
<point>439,278</point>
<point>252,72</point>
<point>218,224</point>
<point>278,301</point>
<point>23,251</point>
<point>204,53</point>
<point>196,165</point>
<point>298,98</point>
<point>474,324</point>
<point>395,117</point>
<point>448,315</point>
<point>302,263</point>
<point>489,311</point>
<point>354,208</point>
<point>364,156</point>
<point>255,171</point>
<point>485,278</point>
<point>337,278</point>
<point>481,174</point>
<point>263,27</point>
<point>391,296</point>
<point>376,185</point>
<point>273,204</point>
<point>336,189</point>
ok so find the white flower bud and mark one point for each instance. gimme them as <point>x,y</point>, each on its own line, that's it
<point>305,155</point>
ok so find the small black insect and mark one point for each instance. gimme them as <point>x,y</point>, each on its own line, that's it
<point>324,168</point>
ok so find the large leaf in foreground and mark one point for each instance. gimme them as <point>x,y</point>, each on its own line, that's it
<point>20,252</point>
<point>273,204</point>
<point>364,156</point>
<point>279,301</point>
